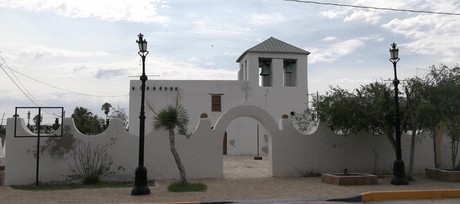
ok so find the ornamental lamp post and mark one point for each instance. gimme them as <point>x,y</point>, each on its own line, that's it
<point>28,120</point>
<point>399,174</point>
<point>140,177</point>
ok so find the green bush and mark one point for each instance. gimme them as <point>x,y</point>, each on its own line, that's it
<point>189,187</point>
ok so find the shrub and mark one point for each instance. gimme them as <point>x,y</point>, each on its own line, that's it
<point>189,187</point>
<point>90,162</point>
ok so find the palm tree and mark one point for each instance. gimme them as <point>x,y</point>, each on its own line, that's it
<point>85,121</point>
<point>106,108</point>
<point>170,118</point>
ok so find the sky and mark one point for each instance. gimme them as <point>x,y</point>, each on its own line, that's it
<point>73,53</point>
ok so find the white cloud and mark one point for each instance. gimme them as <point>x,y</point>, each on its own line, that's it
<point>336,50</point>
<point>170,68</point>
<point>371,17</point>
<point>213,27</point>
<point>145,11</point>
<point>37,52</point>
<point>429,35</point>
<point>266,18</point>
<point>330,38</point>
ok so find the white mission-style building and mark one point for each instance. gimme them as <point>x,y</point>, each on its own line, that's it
<point>272,76</point>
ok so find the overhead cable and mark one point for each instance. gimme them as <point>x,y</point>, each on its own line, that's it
<point>376,8</point>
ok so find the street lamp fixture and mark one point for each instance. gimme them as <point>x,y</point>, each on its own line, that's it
<point>140,177</point>
<point>399,174</point>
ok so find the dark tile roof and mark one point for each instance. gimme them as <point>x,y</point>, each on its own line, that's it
<point>275,46</point>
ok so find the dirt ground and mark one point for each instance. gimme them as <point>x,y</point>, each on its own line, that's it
<point>245,179</point>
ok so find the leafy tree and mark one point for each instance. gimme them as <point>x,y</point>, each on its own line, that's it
<point>368,109</point>
<point>170,118</point>
<point>121,114</point>
<point>106,108</point>
<point>340,110</point>
<point>415,109</point>
<point>35,119</point>
<point>442,93</point>
<point>86,122</point>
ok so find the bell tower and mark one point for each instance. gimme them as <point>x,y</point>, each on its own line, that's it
<point>274,64</point>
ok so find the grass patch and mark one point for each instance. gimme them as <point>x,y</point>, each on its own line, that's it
<point>190,187</point>
<point>69,186</point>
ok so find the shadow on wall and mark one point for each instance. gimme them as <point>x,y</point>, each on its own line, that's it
<point>292,153</point>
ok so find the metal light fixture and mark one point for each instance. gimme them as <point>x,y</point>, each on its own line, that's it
<point>399,174</point>
<point>140,177</point>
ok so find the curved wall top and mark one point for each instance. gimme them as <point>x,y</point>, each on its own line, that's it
<point>251,111</point>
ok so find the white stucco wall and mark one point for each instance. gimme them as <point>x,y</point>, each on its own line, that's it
<point>195,96</point>
<point>20,162</point>
<point>2,153</point>
<point>291,153</point>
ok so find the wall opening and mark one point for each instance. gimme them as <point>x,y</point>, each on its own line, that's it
<point>265,72</point>
<point>243,145</point>
<point>290,72</point>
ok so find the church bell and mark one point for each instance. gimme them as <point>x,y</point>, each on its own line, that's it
<point>288,69</point>
<point>265,70</point>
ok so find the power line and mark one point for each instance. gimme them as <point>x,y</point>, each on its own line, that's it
<point>376,8</point>
<point>50,85</point>
<point>1,66</point>
<point>73,92</point>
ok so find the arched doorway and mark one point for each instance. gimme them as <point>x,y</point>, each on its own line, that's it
<point>248,115</point>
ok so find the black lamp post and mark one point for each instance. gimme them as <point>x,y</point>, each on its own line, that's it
<point>399,174</point>
<point>140,179</point>
<point>28,120</point>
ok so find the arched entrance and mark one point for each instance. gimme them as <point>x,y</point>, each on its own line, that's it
<point>239,163</point>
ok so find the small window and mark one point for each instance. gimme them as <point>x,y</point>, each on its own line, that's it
<point>216,102</point>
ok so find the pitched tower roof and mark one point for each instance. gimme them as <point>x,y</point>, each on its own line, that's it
<point>273,45</point>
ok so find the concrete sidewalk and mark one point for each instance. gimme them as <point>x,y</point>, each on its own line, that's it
<point>246,181</point>
<point>300,190</point>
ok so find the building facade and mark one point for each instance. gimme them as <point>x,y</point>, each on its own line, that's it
<point>273,75</point>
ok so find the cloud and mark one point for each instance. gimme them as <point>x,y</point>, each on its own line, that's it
<point>170,68</point>
<point>266,18</point>
<point>350,14</point>
<point>213,27</point>
<point>38,52</point>
<point>370,16</point>
<point>144,11</point>
<point>429,35</point>
<point>330,38</point>
<point>338,49</point>
<point>108,73</point>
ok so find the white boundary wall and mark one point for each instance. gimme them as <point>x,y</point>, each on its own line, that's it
<point>290,153</point>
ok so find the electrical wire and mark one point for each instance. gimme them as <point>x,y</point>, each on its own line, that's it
<point>7,74</point>
<point>4,66</point>
<point>375,8</point>
<point>73,92</point>
<point>53,86</point>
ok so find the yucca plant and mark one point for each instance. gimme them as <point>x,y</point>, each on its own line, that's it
<point>171,118</point>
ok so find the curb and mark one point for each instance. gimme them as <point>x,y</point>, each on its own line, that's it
<point>410,194</point>
<point>401,195</point>
<point>363,197</point>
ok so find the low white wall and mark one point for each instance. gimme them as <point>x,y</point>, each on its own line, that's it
<point>290,153</point>
<point>2,153</point>
<point>197,153</point>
